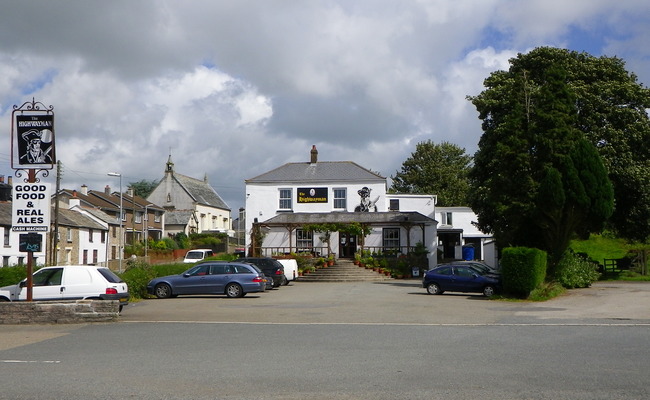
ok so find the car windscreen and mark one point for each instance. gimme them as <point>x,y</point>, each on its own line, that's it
<point>110,275</point>
<point>194,255</point>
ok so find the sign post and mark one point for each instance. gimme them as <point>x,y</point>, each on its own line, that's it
<point>32,150</point>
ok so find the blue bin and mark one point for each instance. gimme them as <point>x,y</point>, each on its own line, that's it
<point>468,252</point>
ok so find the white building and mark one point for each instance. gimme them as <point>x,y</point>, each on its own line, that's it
<point>284,200</point>
<point>191,205</point>
<point>458,234</point>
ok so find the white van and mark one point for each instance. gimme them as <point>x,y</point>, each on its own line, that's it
<point>290,268</point>
<point>70,282</point>
<point>197,255</point>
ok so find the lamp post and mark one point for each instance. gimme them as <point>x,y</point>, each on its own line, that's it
<point>145,228</point>
<point>120,218</point>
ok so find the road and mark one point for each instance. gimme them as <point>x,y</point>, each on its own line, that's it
<point>343,341</point>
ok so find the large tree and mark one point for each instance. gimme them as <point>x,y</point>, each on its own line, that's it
<point>536,181</point>
<point>439,169</point>
<point>610,112</point>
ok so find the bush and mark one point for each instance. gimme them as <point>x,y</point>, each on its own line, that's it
<point>523,269</point>
<point>137,277</point>
<point>13,275</point>
<point>574,271</point>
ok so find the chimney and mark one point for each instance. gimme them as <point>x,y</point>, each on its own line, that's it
<point>314,154</point>
<point>74,202</point>
<point>107,190</point>
<point>84,190</point>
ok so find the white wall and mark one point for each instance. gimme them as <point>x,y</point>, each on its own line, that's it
<point>11,251</point>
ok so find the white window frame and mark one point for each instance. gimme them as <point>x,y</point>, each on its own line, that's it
<point>285,203</point>
<point>340,203</point>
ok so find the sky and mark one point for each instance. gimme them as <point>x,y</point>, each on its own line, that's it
<point>232,89</point>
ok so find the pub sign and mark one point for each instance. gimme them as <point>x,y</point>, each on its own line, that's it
<point>33,140</point>
<point>312,195</point>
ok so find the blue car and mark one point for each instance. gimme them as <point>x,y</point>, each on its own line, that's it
<point>459,278</point>
<point>212,277</point>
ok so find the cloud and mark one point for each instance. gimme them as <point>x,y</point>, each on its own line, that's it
<point>234,89</point>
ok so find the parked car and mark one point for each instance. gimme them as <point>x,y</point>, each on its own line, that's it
<point>290,269</point>
<point>270,266</point>
<point>459,278</point>
<point>197,255</point>
<point>70,282</point>
<point>210,277</point>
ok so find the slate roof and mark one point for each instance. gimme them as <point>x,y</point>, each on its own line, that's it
<point>77,219</point>
<point>66,218</point>
<point>394,217</point>
<point>178,217</point>
<point>322,171</point>
<point>201,191</point>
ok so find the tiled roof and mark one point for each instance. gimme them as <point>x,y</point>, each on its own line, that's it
<point>76,219</point>
<point>66,218</point>
<point>201,191</point>
<point>348,217</point>
<point>327,171</point>
<point>178,217</point>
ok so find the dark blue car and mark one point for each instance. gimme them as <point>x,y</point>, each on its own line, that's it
<point>212,277</point>
<point>459,278</point>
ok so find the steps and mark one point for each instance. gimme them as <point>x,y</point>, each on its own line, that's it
<point>343,271</point>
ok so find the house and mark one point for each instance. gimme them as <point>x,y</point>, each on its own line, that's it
<point>459,238</point>
<point>140,218</point>
<point>81,239</point>
<point>191,205</point>
<point>281,202</point>
<point>10,253</point>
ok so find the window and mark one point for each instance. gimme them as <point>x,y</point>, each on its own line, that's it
<point>285,199</point>
<point>304,239</point>
<point>47,277</point>
<point>156,216</point>
<point>394,205</point>
<point>391,239</point>
<point>446,218</point>
<point>103,236</point>
<point>340,201</point>
<point>123,215</point>
<point>464,272</point>
<point>90,235</point>
<point>95,257</point>
<point>5,261</point>
<point>68,235</point>
<point>138,217</point>
<point>6,232</point>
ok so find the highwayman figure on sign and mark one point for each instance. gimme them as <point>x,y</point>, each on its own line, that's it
<point>37,147</point>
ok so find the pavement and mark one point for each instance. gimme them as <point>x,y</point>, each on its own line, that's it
<point>395,302</point>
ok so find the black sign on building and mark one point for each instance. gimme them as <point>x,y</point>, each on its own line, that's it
<point>33,137</point>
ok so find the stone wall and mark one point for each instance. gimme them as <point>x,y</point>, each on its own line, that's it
<point>59,312</point>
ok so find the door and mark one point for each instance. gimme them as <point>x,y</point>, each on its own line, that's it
<point>46,285</point>
<point>194,281</point>
<point>464,280</point>
<point>347,245</point>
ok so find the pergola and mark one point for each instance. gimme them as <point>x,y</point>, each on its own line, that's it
<point>292,221</point>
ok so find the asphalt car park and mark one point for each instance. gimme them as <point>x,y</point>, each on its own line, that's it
<point>397,302</point>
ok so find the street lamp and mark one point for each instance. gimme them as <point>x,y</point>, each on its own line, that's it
<point>120,218</point>
<point>145,230</point>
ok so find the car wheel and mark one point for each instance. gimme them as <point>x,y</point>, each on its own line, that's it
<point>285,281</point>
<point>234,290</point>
<point>163,291</point>
<point>488,291</point>
<point>434,288</point>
